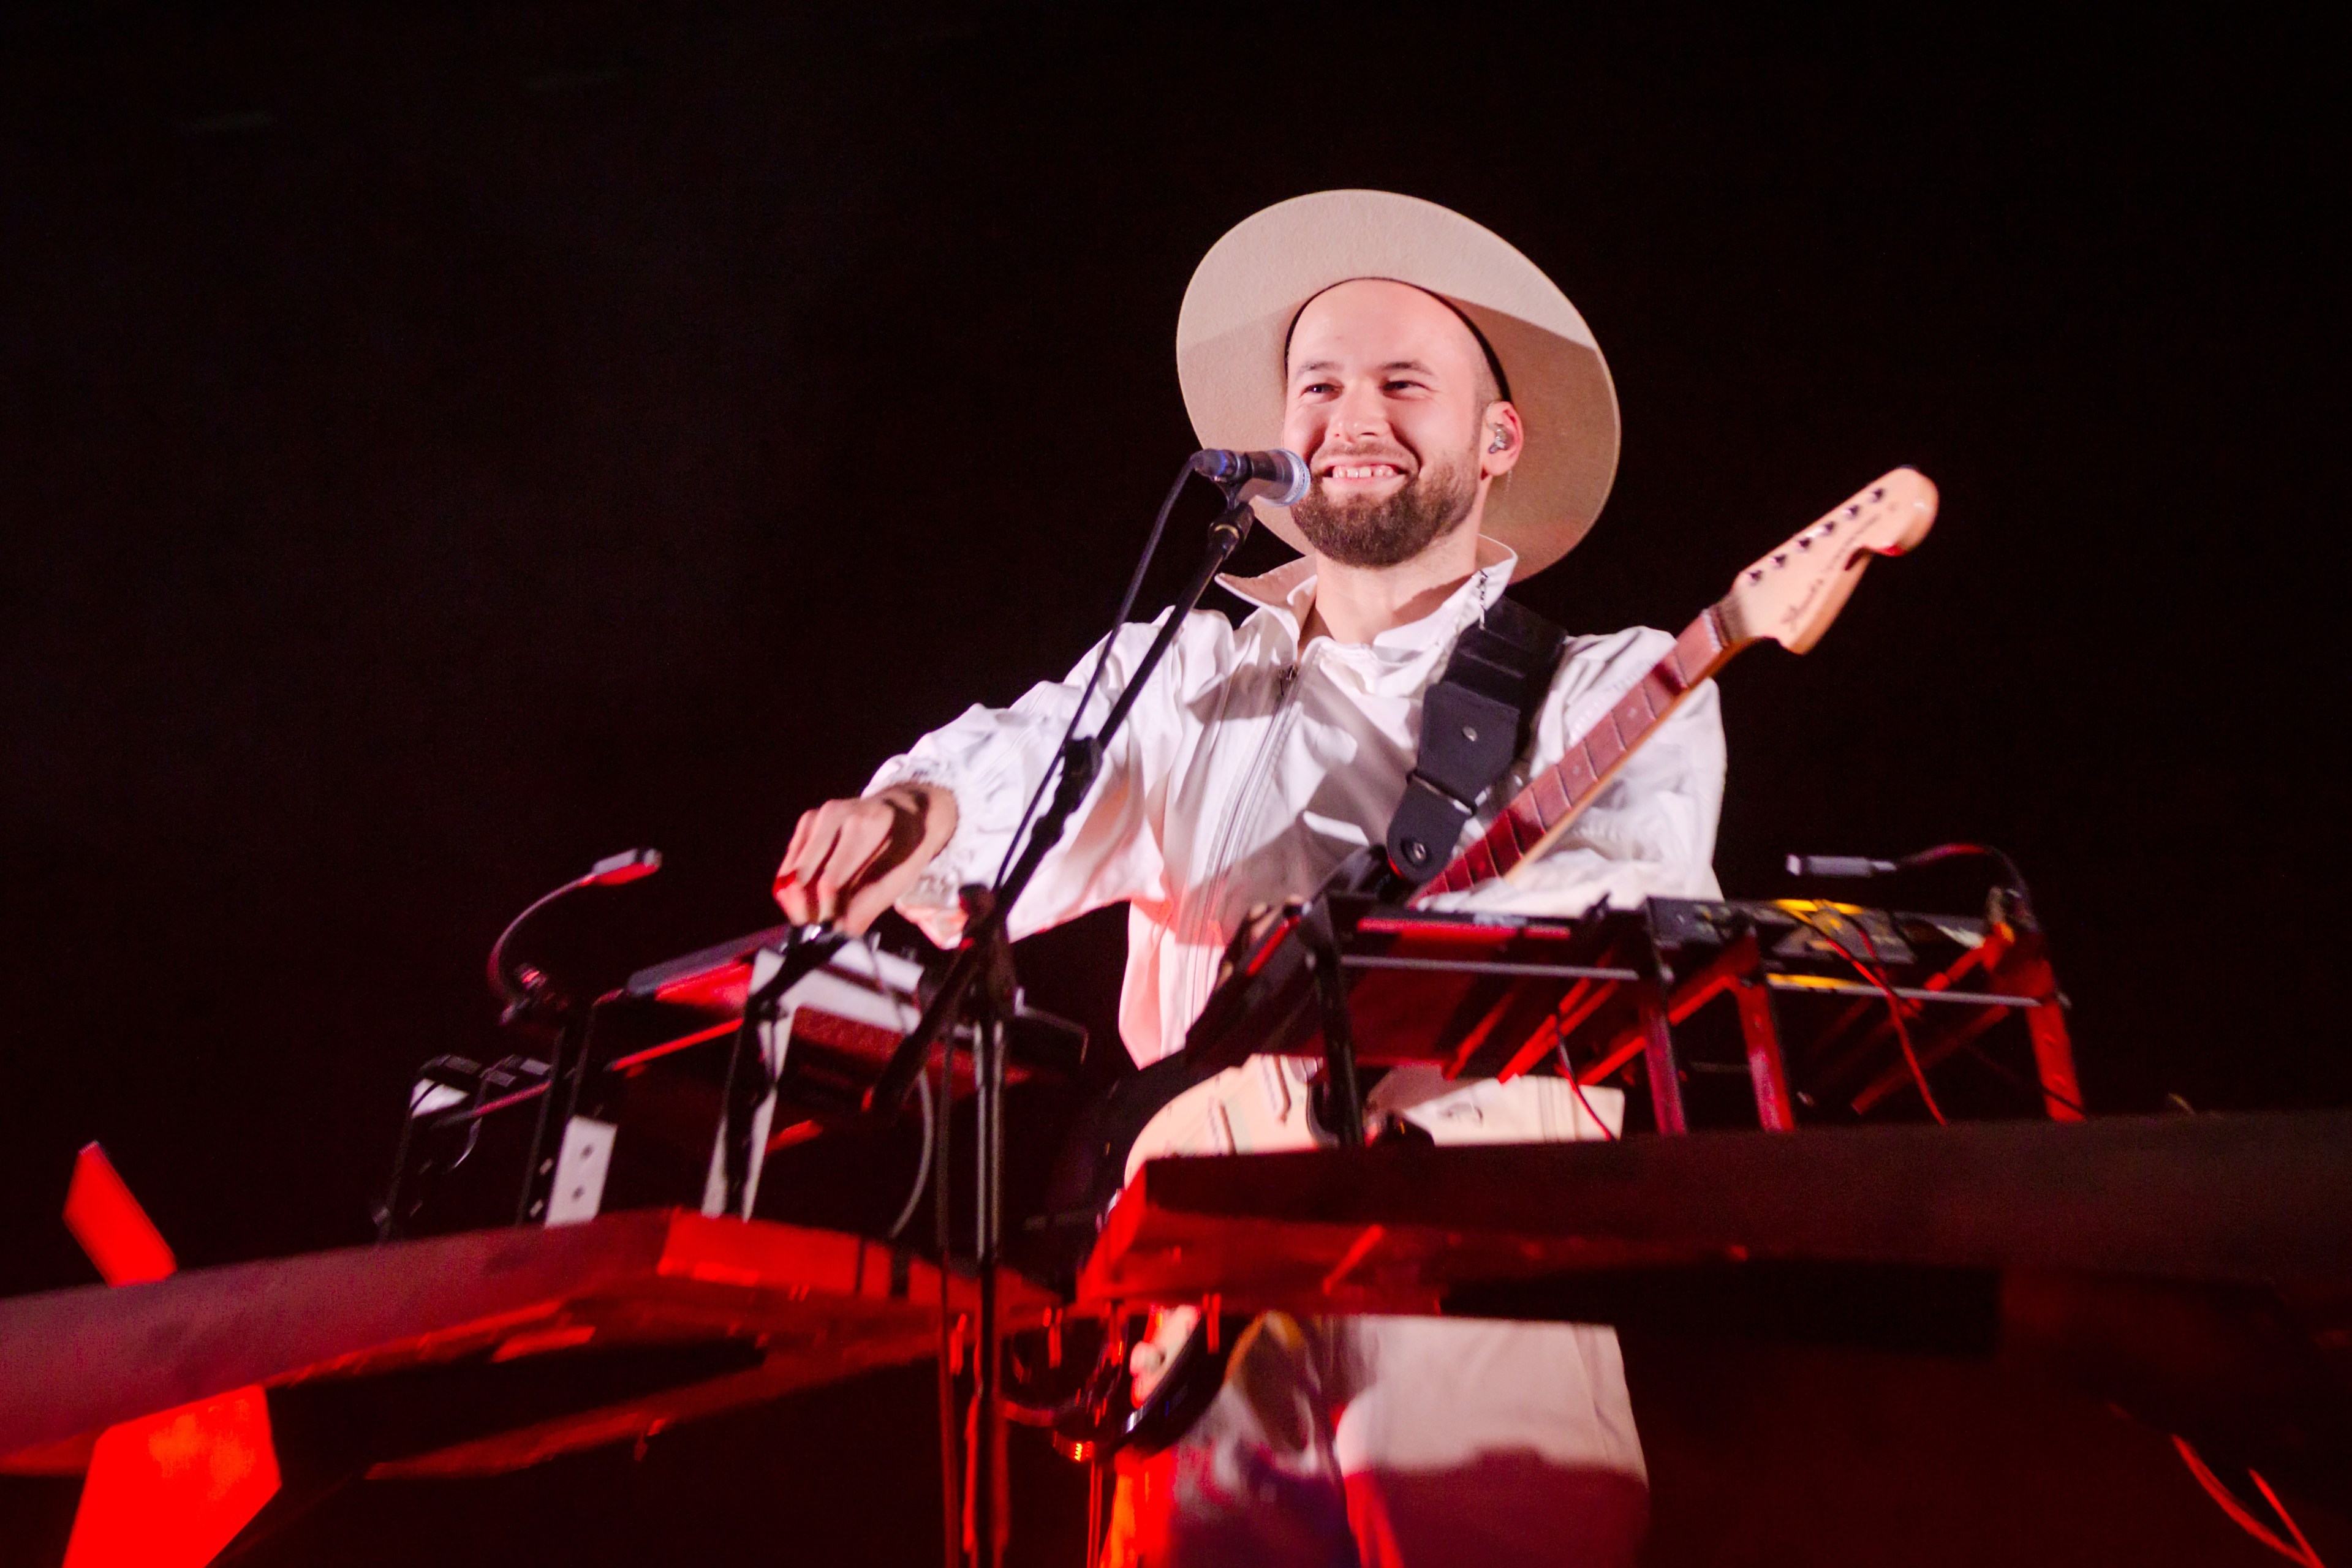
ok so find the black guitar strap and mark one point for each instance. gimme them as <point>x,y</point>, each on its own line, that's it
<point>1474,720</point>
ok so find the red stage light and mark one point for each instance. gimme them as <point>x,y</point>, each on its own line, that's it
<point>167,1491</point>
<point>110,1225</point>
<point>170,1490</point>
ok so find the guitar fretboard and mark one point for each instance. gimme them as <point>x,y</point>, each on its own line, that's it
<point>1542,812</point>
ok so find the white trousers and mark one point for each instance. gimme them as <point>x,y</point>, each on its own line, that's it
<point>1407,1441</point>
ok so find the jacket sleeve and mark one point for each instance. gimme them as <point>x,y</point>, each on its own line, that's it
<point>993,760</point>
<point>1650,833</point>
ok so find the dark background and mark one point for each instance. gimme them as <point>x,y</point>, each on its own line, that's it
<point>440,446</point>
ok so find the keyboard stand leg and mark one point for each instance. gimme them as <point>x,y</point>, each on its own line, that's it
<point>1766,1070</point>
<point>1660,1065</point>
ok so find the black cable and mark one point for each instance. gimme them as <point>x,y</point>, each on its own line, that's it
<point>1093,680</point>
<point>2013,877</point>
<point>923,1169</point>
<point>473,1124</point>
<point>2015,1081</point>
<point>922,1086</point>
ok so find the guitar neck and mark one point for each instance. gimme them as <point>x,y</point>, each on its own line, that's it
<point>1542,812</point>
<point>1789,596</point>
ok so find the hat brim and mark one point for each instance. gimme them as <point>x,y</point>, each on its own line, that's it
<point>1250,287</point>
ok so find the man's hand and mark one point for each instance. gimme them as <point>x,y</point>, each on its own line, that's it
<point>850,860</point>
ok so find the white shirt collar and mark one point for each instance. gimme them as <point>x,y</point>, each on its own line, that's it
<point>1288,593</point>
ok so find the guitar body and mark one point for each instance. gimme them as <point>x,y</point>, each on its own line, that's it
<point>1175,1106</point>
<point>1263,1106</point>
<point>1148,1393</point>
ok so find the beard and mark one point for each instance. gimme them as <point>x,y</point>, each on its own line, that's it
<point>1390,530</point>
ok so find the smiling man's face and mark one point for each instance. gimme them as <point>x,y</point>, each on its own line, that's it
<point>1390,402</point>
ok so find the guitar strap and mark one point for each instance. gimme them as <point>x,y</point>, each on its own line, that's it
<point>1474,721</point>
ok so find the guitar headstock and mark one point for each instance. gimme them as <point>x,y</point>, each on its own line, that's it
<point>1792,594</point>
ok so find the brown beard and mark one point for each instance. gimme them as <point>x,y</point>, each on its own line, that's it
<point>1392,530</point>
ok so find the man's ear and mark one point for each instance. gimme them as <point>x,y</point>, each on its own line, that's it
<point>1501,439</point>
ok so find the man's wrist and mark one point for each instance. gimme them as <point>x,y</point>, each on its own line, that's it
<point>931,804</point>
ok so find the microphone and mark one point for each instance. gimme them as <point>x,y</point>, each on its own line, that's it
<point>1279,478</point>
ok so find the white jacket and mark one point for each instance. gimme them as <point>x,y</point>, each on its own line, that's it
<point>1250,768</point>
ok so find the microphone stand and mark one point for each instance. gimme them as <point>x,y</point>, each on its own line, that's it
<point>978,988</point>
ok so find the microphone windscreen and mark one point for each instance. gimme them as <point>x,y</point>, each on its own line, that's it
<point>1293,478</point>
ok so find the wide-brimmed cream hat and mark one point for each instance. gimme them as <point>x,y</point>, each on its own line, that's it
<point>1251,286</point>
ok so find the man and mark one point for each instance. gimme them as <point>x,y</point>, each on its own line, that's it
<point>1460,427</point>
